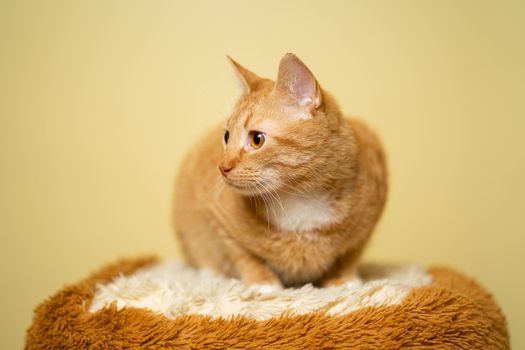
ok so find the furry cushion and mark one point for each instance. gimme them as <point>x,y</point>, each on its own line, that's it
<point>174,290</point>
<point>145,304</point>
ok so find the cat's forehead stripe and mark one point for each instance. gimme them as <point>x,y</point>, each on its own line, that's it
<point>247,118</point>
<point>287,142</point>
<point>236,119</point>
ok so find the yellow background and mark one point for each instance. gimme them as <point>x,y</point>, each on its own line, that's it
<point>101,99</point>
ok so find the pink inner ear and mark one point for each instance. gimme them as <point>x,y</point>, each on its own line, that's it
<point>297,82</point>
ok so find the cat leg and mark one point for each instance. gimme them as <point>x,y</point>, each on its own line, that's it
<point>344,271</point>
<point>251,269</point>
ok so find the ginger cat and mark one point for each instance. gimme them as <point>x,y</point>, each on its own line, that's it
<point>291,195</point>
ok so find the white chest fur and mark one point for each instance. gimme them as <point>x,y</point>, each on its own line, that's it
<point>301,213</point>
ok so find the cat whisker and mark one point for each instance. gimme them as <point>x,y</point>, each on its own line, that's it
<point>278,199</point>
<point>272,196</point>
<point>270,193</point>
<point>217,187</point>
<point>266,208</point>
<point>299,192</point>
<point>295,190</point>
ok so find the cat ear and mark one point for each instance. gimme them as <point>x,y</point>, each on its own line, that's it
<point>248,79</point>
<point>297,84</point>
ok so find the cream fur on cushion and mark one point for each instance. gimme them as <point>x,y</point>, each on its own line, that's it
<point>147,304</point>
<point>174,289</point>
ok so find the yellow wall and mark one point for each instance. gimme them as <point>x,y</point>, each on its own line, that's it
<point>100,100</point>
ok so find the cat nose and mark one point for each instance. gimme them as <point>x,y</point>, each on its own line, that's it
<point>224,169</point>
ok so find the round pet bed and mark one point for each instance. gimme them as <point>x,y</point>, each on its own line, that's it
<point>149,304</point>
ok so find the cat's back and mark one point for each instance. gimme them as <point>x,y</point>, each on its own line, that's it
<point>371,152</point>
<point>372,172</point>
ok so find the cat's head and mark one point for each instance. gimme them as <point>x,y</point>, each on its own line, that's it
<point>280,135</point>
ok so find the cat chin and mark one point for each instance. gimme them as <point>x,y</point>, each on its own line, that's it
<point>241,190</point>
<point>247,190</point>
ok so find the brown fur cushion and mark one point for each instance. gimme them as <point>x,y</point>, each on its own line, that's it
<point>451,313</point>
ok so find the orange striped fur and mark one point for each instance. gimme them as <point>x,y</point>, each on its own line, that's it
<point>298,209</point>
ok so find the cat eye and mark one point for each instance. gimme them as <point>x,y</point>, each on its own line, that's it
<point>226,136</point>
<point>257,139</point>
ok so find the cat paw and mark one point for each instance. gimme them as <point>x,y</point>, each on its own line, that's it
<point>347,283</point>
<point>260,292</point>
<point>265,289</point>
<point>354,283</point>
